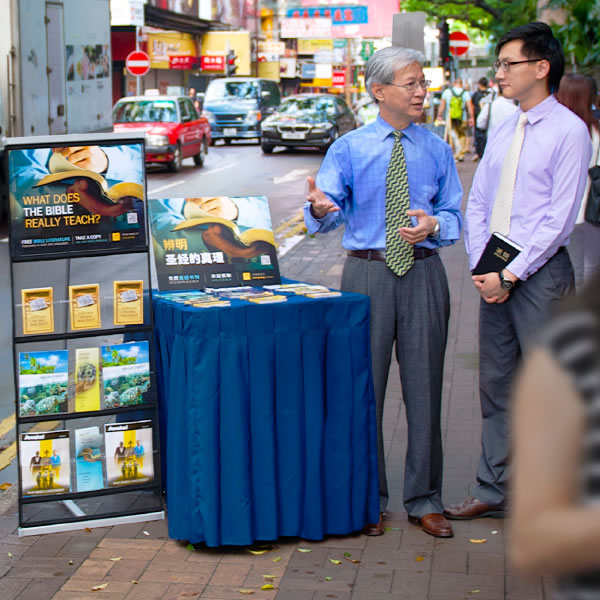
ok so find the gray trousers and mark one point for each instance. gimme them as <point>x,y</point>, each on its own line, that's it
<point>505,333</point>
<point>413,312</point>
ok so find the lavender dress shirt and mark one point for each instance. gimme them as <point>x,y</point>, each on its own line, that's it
<point>550,181</point>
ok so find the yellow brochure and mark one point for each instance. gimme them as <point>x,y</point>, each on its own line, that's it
<point>38,311</point>
<point>84,302</point>
<point>128,302</point>
<point>87,379</point>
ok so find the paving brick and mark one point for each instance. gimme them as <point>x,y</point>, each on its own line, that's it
<point>108,553</point>
<point>185,566</point>
<point>93,569</point>
<point>86,585</point>
<point>486,563</point>
<point>148,591</point>
<point>232,593</point>
<point>10,588</point>
<point>135,544</point>
<point>174,577</point>
<point>450,561</point>
<point>77,547</point>
<point>66,595</point>
<point>229,574</point>
<point>183,591</point>
<point>48,545</point>
<point>375,580</point>
<point>41,589</point>
<point>127,570</point>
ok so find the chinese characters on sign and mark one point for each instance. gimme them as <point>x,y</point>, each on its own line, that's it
<point>212,63</point>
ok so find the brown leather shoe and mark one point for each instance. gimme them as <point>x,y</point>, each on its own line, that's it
<point>434,524</point>
<point>374,528</point>
<point>471,508</point>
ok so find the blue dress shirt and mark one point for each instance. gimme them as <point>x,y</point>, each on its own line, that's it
<point>353,175</point>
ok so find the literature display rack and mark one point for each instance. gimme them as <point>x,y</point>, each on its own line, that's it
<point>85,381</point>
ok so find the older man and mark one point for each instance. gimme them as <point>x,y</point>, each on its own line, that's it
<point>395,187</point>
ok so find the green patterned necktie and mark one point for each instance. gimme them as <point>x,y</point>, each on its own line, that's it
<point>399,255</point>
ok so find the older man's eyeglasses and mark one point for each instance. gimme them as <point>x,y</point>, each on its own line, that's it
<point>505,65</point>
<point>411,88</point>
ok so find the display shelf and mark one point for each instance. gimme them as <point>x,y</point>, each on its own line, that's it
<point>50,220</point>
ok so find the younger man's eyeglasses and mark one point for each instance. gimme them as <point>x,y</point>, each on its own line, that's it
<point>505,65</point>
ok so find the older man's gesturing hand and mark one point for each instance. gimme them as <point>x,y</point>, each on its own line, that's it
<point>320,203</point>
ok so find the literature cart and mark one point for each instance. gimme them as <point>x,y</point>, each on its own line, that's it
<point>85,382</point>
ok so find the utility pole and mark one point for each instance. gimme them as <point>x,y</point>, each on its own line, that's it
<point>347,83</point>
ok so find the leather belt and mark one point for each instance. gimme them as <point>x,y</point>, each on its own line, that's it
<point>379,255</point>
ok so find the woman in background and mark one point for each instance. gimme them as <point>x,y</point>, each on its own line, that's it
<point>576,93</point>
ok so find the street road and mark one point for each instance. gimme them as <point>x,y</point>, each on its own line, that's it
<point>240,169</point>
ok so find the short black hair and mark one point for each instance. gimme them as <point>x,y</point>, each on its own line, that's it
<point>483,81</point>
<point>539,42</point>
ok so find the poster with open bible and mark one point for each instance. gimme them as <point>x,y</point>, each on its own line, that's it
<point>213,242</point>
<point>78,197</point>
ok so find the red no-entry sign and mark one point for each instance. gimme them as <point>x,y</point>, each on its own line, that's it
<point>459,43</point>
<point>137,63</point>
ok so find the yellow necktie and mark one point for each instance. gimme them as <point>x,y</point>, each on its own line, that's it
<point>500,221</point>
<point>399,255</point>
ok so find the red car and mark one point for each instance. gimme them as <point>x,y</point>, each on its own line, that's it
<point>174,129</point>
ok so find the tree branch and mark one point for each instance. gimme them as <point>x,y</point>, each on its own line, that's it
<point>482,4</point>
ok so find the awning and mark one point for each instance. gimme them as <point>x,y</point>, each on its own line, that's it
<point>165,19</point>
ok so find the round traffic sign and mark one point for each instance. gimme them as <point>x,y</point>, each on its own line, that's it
<point>137,63</point>
<point>459,43</point>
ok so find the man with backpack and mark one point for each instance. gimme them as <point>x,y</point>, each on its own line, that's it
<point>457,100</point>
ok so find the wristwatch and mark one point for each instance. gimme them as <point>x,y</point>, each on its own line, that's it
<point>505,284</point>
<point>436,229</point>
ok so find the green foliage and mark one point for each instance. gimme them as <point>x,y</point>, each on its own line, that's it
<point>495,17</point>
<point>118,359</point>
<point>580,35</point>
<point>35,367</point>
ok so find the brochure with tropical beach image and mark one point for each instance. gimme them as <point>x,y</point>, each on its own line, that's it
<point>126,374</point>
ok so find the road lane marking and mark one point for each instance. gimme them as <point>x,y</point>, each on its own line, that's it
<point>218,169</point>
<point>7,424</point>
<point>9,454</point>
<point>166,187</point>
<point>290,176</point>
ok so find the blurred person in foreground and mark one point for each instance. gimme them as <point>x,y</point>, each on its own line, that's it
<point>576,92</point>
<point>555,529</point>
<point>395,187</point>
<point>527,188</point>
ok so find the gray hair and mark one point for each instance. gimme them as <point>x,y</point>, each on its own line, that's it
<point>382,66</point>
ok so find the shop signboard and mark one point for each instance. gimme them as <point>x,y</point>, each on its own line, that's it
<point>212,63</point>
<point>339,15</point>
<point>318,28</point>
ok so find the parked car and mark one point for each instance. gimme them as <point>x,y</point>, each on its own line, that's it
<point>174,129</point>
<point>307,120</point>
<point>236,106</point>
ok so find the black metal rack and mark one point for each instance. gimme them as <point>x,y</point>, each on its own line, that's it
<point>46,513</point>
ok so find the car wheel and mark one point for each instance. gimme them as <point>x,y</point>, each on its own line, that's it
<point>266,148</point>
<point>228,141</point>
<point>175,165</point>
<point>199,158</point>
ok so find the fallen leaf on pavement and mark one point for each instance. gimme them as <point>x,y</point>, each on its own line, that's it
<point>392,528</point>
<point>71,562</point>
<point>419,558</point>
<point>474,541</point>
<point>474,591</point>
<point>270,577</point>
<point>335,562</point>
<point>10,555</point>
<point>247,592</point>
<point>145,533</point>
<point>116,558</point>
<point>190,547</point>
<point>267,586</point>
<point>88,529</point>
<point>256,551</point>
<point>494,532</point>
<point>5,486</point>
<point>347,555</point>
<point>102,586</point>
<point>328,578</point>
<point>304,550</point>
<point>134,581</point>
<point>189,594</point>
<point>277,559</point>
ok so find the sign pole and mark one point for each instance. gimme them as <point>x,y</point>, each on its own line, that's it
<point>138,81</point>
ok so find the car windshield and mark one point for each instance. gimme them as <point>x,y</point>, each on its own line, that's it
<point>145,111</point>
<point>243,90</point>
<point>323,107</point>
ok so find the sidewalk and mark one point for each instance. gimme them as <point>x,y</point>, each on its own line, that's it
<point>140,562</point>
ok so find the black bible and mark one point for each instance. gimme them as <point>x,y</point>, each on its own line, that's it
<point>497,255</point>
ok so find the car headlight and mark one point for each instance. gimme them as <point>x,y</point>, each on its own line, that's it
<point>209,116</point>
<point>252,116</point>
<point>157,140</point>
<point>321,127</point>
